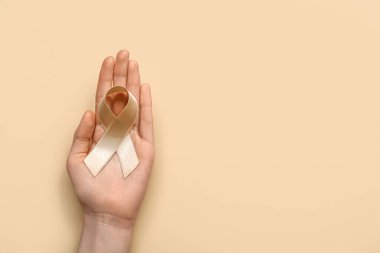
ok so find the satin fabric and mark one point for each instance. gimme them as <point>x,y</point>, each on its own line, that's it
<point>116,138</point>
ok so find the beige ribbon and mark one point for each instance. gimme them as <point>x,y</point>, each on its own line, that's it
<point>116,138</point>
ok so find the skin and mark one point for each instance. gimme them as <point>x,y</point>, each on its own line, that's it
<point>110,202</point>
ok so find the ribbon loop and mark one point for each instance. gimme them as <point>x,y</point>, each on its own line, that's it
<point>116,138</point>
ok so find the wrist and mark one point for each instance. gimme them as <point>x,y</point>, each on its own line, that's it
<point>108,219</point>
<point>105,233</point>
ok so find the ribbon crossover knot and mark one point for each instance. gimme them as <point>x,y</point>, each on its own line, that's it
<point>116,138</point>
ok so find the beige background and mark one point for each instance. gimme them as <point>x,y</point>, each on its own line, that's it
<point>266,118</point>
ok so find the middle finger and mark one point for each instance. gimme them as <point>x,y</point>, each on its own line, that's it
<point>120,73</point>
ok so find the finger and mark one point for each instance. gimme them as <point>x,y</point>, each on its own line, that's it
<point>83,134</point>
<point>133,83</point>
<point>120,72</point>
<point>146,115</point>
<point>104,82</point>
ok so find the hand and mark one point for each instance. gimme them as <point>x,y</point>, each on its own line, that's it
<point>108,199</point>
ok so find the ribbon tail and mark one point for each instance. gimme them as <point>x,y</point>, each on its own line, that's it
<point>127,156</point>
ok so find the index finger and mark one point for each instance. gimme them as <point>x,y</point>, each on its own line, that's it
<point>104,81</point>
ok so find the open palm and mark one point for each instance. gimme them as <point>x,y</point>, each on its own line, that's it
<point>108,195</point>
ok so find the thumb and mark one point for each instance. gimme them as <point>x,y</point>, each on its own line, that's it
<point>83,134</point>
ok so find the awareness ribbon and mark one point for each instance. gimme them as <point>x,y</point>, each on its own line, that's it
<point>116,137</point>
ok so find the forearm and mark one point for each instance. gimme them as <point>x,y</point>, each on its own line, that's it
<point>101,235</point>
